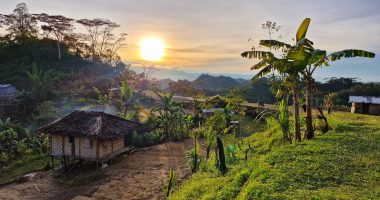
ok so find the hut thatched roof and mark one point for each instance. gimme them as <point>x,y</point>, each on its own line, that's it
<point>91,124</point>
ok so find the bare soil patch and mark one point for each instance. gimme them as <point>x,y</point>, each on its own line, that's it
<point>140,175</point>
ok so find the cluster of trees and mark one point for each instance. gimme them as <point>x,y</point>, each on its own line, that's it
<point>46,56</point>
<point>16,142</point>
<point>296,66</point>
<point>98,44</point>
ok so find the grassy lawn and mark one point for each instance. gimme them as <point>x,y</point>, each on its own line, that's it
<point>341,164</point>
<point>23,166</point>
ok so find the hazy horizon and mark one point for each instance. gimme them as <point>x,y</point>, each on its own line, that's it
<point>208,36</point>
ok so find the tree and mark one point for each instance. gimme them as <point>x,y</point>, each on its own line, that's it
<point>21,25</point>
<point>217,126</point>
<point>61,27</point>
<point>314,58</point>
<point>170,114</point>
<point>40,82</point>
<point>290,64</point>
<point>100,39</point>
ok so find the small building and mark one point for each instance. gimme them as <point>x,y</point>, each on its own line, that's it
<point>365,105</point>
<point>90,135</point>
<point>8,94</point>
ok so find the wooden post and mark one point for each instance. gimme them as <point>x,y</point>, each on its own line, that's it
<point>79,147</point>
<point>52,163</point>
<point>112,145</point>
<point>97,155</point>
<point>63,145</point>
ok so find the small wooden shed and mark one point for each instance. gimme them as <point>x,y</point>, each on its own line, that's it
<point>89,135</point>
<point>365,105</point>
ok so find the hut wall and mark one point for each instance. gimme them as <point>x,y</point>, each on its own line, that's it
<point>85,147</point>
<point>374,109</point>
<point>56,145</point>
<point>107,147</point>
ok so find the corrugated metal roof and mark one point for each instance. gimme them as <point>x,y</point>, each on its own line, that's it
<point>5,85</point>
<point>7,90</point>
<point>364,99</point>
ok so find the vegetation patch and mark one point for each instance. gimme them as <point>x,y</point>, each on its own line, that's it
<point>341,164</point>
<point>23,166</point>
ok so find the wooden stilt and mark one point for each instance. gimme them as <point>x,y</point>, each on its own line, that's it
<point>52,163</point>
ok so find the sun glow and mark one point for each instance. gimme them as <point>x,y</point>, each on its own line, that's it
<point>152,49</point>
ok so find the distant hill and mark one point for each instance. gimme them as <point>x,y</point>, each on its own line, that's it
<point>164,83</point>
<point>208,82</point>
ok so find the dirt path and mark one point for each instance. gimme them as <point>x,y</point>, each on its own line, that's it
<point>137,176</point>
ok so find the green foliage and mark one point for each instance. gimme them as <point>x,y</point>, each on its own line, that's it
<point>283,120</point>
<point>171,182</point>
<point>171,117</point>
<point>22,166</point>
<point>349,53</point>
<point>41,83</point>
<point>10,147</point>
<point>341,164</point>
<point>301,32</point>
<point>193,158</point>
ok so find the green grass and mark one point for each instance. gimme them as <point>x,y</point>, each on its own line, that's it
<point>23,166</point>
<point>341,164</point>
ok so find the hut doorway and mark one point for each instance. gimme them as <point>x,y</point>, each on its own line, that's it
<point>72,144</point>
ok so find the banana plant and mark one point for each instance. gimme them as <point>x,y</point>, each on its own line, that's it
<point>170,113</point>
<point>291,63</point>
<point>126,96</point>
<point>319,58</point>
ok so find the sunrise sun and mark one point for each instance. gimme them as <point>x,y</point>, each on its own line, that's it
<point>152,49</point>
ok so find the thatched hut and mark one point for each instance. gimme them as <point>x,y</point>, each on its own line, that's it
<point>94,136</point>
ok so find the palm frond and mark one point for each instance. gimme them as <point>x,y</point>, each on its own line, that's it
<point>275,44</point>
<point>259,65</point>
<point>262,73</point>
<point>350,53</point>
<point>256,54</point>
<point>301,32</point>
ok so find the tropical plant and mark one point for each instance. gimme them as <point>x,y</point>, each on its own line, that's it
<point>171,117</point>
<point>290,64</point>
<point>10,146</point>
<point>318,58</point>
<point>126,96</point>
<point>40,82</point>
<point>171,182</point>
<point>217,124</point>
<point>282,117</point>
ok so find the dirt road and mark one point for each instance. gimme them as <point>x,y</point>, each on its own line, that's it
<point>137,176</point>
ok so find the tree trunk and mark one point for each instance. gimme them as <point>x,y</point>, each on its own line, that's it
<point>59,50</point>
<point>296,114</point>
<point>222,159</point>
<point>309,116</point>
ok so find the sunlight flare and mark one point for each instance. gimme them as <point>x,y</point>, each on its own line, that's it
<point>152,49</point>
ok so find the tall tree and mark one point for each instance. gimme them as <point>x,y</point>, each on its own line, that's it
<point>101,40</point>
<point>60,26</point>
<point>20,24</point>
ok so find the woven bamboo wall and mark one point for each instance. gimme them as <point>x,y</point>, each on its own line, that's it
<point>85,147</point>
<point>107,147</point>
<point>56,145</point>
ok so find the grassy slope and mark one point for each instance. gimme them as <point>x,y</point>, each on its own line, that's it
<point>23,166</point>
<point>342,164</point>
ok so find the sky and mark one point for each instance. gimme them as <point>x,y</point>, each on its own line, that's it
<point>210,35</point>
